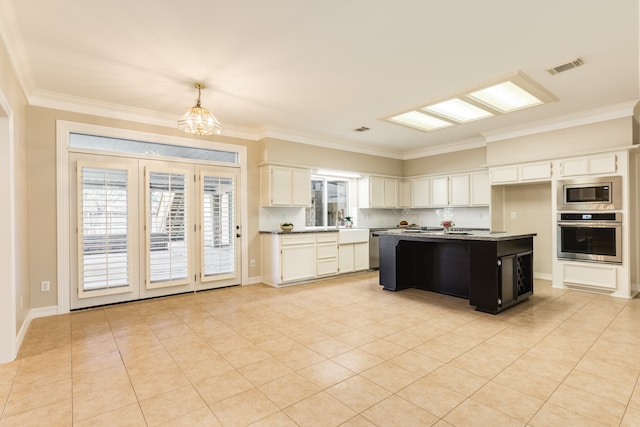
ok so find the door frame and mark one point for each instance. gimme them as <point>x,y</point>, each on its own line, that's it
<point>9,336</point>
<point>64,128</point>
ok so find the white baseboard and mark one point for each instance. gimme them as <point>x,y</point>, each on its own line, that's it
<point>543,276</point>
<point>254,280</point>
<point>43,311</point>
<point>22,333</point>
<point>34,313</point>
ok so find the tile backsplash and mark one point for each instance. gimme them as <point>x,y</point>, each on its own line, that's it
<point>467,217</point>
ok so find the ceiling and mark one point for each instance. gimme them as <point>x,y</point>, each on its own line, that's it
<point>313,71</point>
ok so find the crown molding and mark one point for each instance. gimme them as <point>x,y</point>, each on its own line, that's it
<point>595,115</point>
<point>58,101</point>
<point>468,144</point>
<point>287,136</point>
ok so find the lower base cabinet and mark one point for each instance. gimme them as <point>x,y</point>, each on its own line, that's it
<point>509,281</point>
<point>298,257</point>
<point>353,257</point>
<point>515,279</point>
<point>494,274</point>
<point>298,262</point>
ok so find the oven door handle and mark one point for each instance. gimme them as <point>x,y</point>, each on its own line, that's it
<point>611,224</point>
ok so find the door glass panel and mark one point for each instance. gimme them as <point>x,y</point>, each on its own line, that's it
<point>218,240</point>
<point>167,231</point>
<point>104,254</point>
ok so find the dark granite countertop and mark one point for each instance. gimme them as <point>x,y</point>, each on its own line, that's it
<point>302,230</point>
<point>485,235</point>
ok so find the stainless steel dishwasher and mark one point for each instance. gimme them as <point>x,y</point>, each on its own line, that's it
<point>374,250</point>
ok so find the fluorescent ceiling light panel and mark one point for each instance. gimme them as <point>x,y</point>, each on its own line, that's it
<point>506,97</point>
<point>419,120</point>
<point>458,110</point>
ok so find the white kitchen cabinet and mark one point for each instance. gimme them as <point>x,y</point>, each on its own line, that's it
<point>300,187</point>
<point>588,165</point>
<point>535,171</point>
<point>504,175</point>
<point>420,192</point>
<point>326,254</point>
<point>459,194</point>
<point>361,256</point>
<point>353,257</point>
<point>440,191</point>
<point>346,260</point>
<point>285,186</point>
<point>353,250</point>
<point>378,192</point>
<point>291,258</point>
<point>404,194</point>
<point>526,172</point>
<point>480,188</point>
<point>297,257</point>
<point>390,193</point>
<point>589,275</point>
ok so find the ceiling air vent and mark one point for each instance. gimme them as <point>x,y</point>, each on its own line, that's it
<point>362,129</point>
<point>564,67</point>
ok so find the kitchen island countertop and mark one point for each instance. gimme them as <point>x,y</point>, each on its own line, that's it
<point>483,235</point>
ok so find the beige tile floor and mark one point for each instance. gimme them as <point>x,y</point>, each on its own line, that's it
<point>336,352</point>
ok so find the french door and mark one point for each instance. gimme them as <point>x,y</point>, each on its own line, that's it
<point>147,228</point>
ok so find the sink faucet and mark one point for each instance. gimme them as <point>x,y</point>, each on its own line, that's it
<point>339,217</point>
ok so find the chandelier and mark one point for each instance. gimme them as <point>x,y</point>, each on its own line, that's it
<point>199,120</point>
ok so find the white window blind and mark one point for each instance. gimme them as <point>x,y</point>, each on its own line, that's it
<point>167,231</point>
<point>218,226</point>
<point>103,229</point>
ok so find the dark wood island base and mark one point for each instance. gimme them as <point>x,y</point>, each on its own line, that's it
<point>492,271</point>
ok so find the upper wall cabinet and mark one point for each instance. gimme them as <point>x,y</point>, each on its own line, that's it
<point>404,194</point>
<point>285,186</point>
<point>526,172</point>
<point>459,190</point>
<point>420,192</point>
<point>378,192</point>
<point>450,190</point>
<point>440,191</point>
<point>480,188</point>
<point>588,165</point>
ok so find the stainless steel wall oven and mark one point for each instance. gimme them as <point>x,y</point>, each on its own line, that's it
<point>593,237</point>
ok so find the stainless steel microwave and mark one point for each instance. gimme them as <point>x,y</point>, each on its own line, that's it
<point>590,194</point>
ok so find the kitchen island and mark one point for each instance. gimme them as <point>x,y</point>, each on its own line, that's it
<point>494,271</point>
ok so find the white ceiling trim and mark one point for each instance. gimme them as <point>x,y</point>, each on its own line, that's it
<point>334,145</point>
<point>596,115</point>
<point>79,105</point>
<point>86,106</point>
<point>447,148</point>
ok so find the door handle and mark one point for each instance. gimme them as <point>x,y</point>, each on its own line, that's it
<point>238,235</point>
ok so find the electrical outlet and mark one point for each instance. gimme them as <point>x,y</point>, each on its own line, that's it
<point>253,263</point>
<point>513,215</point>
<point>45,286</point>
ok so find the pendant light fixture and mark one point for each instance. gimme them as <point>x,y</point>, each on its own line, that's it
<point>199,120</point>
